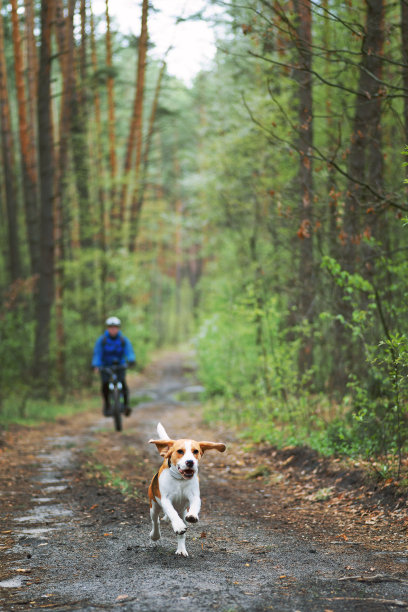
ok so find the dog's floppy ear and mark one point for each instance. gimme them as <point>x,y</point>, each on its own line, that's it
<point>163,446</point>
<point>219,446</point>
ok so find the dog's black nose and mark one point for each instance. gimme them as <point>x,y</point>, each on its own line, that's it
<point>189,463</point>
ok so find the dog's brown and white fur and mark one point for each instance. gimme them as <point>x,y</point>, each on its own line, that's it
<point>175,488</point>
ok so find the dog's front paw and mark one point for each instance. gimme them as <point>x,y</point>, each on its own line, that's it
<point>191,518</point>
<point>181,552</point>
<point>179,527</point>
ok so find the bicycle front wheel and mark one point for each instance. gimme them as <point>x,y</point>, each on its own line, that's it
<point>117,413</point>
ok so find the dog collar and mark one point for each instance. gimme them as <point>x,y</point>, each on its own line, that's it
<point>175,473</point>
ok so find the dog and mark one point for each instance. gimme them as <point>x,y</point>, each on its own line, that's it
<point>175,488</point>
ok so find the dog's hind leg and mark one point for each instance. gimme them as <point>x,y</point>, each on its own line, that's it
<point>154,515</point>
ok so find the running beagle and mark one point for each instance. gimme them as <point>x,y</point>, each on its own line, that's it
<point>175,488</point>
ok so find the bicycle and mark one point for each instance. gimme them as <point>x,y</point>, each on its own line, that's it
<point>116,399</point>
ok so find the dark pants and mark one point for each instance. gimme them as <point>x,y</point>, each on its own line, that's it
<point>105,386</point>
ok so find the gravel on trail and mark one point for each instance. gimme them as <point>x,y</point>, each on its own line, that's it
<point>67,542</point>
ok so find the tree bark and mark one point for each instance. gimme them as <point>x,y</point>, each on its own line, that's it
<point>27,147</point>
<point>62,34</point>
<point>305,176</point>
<point>365,160</point>
<point>83,56</point>
<point>79,144</point>
<point>103,217</point>
<point>140,187</point>
<point>111,110</point>
<point>45,294</point>
<point>7,147</point>
<point>404,39</point>
<point>135,132</point>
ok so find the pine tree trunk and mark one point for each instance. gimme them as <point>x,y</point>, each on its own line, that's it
<point>45,294</point>
<point>178,253</point>
<point>7,145</point>
<point>365,165</point>
<point>140,187</point>
<point>103,217</point>
<point>32,74</point>
<point>111,111</point>
<point>79,144</point>
<point>28,154</point>
<point>365,150</point>
<point>305,233</point>
<point>135,132</point>
<point>83,56</point>
<point>60,221</point>
<point>404,39</point>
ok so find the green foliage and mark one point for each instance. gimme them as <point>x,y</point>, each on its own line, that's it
<point>108,478</point>
<point>220,248</point>
<point>16,339</point>
<point>242,350</point>
<point>377,423</point>
<point>24,410</point>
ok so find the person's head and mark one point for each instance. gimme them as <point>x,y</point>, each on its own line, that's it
<point>113,326</point>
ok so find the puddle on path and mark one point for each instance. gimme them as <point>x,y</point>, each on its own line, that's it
<point>44,513</point>
<point>170,392</point>
<point>36,531</point>
<point>53,479</point>
<point>193,393</point>
<point>57,459</point>
<point>13,583</point>
<point>55,489</point>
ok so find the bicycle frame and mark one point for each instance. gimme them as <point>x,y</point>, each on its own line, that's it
<point>115,392</point>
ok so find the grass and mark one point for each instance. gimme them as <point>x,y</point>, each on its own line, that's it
<point>32,412</point>
<point>298,421</point>
<point>304,422</point>
<point>112,479</point>
<point>108,476</point>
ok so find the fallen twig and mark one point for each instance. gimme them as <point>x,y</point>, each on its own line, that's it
<point>387,602</point>
<point>346,543</point>
<point>375,578</point>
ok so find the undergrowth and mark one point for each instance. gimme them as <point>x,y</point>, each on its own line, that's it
<point>27,411</point>
<point>110,478</point>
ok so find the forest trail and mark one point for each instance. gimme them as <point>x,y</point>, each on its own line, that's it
<point>278,530</point>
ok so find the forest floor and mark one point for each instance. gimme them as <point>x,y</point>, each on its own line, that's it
<point>279,530</point>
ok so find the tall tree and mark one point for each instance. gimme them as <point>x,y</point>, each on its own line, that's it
<point>142,166</point>
<point>303,75</point>
<point>365,159</point>
<point>62,23</point>
<point>7,146</point>
<point>111,107</point>
<point>83,52</point>
<point>27,146</point>
<point>45,294</point>
<point>79,142</point>
<point>32,72</point>
<point>404,40</point>
<point>134,140</point>
<point>101,193</point>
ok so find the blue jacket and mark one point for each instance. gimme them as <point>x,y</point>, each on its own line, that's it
<point>109,350</point>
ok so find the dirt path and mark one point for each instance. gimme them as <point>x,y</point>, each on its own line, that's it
<point>275,532</point>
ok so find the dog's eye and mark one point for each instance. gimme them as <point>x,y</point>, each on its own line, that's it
<point>180,452</point>
<point>195,452</point>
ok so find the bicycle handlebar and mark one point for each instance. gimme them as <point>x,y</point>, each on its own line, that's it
<point>114,367</point>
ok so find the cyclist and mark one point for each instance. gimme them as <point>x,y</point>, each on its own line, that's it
<point>113,348</point>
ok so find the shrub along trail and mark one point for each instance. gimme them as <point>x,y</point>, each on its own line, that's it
<point>278,530</point>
